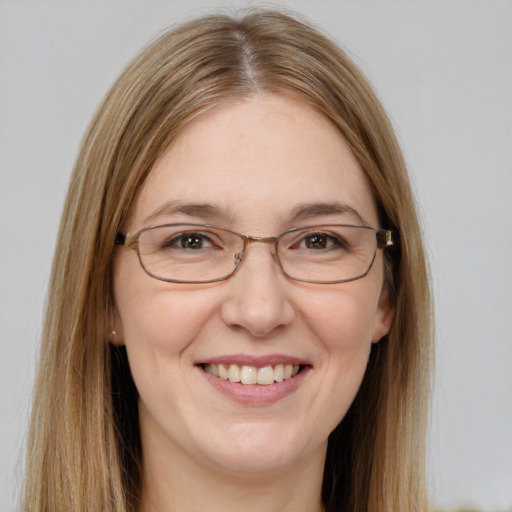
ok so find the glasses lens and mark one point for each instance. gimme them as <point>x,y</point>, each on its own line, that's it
<point>188,252</point>
<point>327,253</point>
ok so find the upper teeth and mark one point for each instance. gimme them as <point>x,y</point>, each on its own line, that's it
<point>252,374</point>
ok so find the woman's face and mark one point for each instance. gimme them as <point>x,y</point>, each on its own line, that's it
<point>258,166</point>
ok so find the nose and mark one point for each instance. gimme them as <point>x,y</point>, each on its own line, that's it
<point>258,297</point>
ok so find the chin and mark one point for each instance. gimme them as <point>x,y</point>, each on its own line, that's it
<point>255,449</point>
<point>255,464</point>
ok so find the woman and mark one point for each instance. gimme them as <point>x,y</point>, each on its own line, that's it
<point>239,311</point>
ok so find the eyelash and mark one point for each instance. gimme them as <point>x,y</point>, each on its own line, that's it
<point>180,237</point>
<point>332,241</point>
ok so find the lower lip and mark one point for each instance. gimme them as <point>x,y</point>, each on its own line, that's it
<point>256,394</point>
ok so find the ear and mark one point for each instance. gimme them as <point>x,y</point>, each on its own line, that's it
<point>383,318</point>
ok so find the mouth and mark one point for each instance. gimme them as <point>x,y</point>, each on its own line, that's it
<point>250,375</point>
<point>255,380</point>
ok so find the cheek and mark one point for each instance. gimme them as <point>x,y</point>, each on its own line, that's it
<point>343,318</point>
<point>163,319</point>
<point>160,328</point>
<point>342,322</point>
<point>152,312</point>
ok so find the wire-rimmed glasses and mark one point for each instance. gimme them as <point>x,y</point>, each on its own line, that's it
<point>202,253</point>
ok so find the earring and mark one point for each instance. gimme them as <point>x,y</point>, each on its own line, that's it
<point>112,339</point>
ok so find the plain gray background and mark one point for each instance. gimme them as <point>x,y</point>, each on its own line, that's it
<point>444,71</point>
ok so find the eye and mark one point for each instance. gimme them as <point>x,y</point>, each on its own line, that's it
<point>316,241</point>
<point>320,241</point>
<point>189,241</point>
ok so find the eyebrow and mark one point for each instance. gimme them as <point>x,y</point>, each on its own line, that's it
<point>308,210</point>
<point>208,211</point>
<point>201,210</point>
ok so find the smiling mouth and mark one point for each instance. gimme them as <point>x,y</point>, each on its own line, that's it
<point>253,375</point>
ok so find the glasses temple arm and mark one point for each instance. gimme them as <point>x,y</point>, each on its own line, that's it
<point>386,238</point>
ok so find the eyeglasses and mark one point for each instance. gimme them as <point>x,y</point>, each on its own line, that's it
<point>201,253</point>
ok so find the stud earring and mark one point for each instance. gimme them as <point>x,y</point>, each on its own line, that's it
<point>112,339</point>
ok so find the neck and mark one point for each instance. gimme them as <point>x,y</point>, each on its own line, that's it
<point>186,485</point>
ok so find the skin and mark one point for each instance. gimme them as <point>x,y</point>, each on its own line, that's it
<point>255,159</point>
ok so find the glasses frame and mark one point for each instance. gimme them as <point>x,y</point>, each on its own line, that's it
<point>385,238</point>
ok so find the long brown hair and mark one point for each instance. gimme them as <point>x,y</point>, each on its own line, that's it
<point>84,447</point>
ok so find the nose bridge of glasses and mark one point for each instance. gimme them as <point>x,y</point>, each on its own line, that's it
<point>257,239</point>
<point>262,239</point>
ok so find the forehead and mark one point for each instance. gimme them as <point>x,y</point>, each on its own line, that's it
<point>254,161</point>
